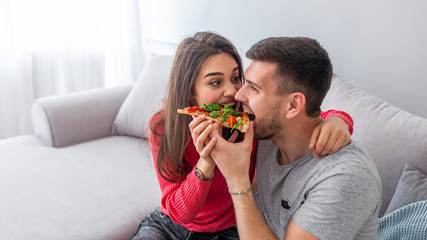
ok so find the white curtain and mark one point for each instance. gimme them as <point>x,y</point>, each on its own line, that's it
<point>50,47</point>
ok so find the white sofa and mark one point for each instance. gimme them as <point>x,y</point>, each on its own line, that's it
<point>87,173</point>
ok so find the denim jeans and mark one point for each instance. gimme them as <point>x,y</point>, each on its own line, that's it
<point>158,226</point>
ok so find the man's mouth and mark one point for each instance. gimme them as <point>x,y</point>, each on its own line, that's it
<point>249,112</point>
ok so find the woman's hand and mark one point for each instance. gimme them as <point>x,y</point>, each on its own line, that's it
<point>200,130</point>
<point>330,136</point>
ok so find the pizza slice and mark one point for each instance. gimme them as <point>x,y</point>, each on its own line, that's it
<point>220,113</point>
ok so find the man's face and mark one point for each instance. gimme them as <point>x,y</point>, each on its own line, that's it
<point>259,97</point>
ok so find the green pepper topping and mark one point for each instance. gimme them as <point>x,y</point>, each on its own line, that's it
<point>216,107</point>
<point>224,117</point>
<point>240,122</point>
<point>213,114</point>
<point>226,106</point>
<point>210,107</point>
<point>228,111</point>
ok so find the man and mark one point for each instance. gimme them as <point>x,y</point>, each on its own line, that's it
<point>300,197</point>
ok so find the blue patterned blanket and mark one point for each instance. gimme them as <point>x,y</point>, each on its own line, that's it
<point>408,222</point>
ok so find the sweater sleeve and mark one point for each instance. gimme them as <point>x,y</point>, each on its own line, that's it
<point>184,199</point>
<point>343,115</point>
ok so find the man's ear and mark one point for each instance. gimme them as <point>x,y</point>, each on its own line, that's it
<point>296,104</point>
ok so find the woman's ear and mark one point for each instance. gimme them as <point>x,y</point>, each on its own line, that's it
<point>296,104</point>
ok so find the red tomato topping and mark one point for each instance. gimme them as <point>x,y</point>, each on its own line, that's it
<point>193,109</point>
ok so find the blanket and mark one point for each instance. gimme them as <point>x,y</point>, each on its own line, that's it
<point>408,222</point>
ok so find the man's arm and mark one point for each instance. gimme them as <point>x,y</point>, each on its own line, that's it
<point>250,222</point>
<point>295,231</point>
<point>233,160</point>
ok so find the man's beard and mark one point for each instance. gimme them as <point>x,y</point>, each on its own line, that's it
<point>268,127</point>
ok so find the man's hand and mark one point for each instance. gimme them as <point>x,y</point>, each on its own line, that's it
<point>233,159</point>
<point>330,136</point>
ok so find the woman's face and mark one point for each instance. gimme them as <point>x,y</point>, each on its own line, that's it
<point>217,81</point>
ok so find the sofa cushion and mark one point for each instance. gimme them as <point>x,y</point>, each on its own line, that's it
<point>144,99</point>
<point>412,187</point>
<point>391,136</point>
<point>122,166</point>
<point>97,190</point>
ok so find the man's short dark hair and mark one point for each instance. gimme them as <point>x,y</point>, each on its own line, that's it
<point>303,66</point>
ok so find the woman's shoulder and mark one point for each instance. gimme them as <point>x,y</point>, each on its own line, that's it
<point>156,119</point>
<point>156,126</point>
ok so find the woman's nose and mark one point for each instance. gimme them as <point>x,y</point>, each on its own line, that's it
<point>230,90</point>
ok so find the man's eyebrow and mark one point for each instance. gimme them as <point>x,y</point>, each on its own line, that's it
<point>252,83</point>
<point>219,73</point>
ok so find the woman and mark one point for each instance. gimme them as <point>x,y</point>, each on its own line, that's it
<point>195,201</point>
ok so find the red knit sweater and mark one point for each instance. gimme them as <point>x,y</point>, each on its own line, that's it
<point>205,206</point>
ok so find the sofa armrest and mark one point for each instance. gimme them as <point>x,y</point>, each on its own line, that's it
<point>64,120</point>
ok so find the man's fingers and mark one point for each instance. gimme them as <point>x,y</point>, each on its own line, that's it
<point>249,135</point>
<point>216,133</point>
<point>219,129</point>
<point>233,137</point>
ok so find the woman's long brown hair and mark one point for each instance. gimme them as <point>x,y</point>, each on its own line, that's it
<point>174,133</point>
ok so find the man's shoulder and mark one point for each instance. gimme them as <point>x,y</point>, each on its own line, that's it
<point>350,154</point>
<point>350,181</point>
<point>351,159</point>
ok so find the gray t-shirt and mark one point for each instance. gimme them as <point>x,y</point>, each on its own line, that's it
<point>335,197</point>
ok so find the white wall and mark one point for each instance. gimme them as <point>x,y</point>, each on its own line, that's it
<point>377,45</point>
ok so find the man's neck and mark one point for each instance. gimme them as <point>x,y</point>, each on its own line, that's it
<point>294,139</point>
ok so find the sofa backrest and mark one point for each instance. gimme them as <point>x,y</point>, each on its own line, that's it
<point>391,136</point>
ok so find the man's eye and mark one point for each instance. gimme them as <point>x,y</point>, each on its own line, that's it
<point>254,89</point>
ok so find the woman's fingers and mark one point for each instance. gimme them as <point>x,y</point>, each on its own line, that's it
<point>203,138</point>
<point>207,149</point>
<point>314,138</point>
<point>196,121</point>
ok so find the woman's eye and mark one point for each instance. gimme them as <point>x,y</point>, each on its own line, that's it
<point>237,79</point>
<point>214,83</point>
<point>253,88</point>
